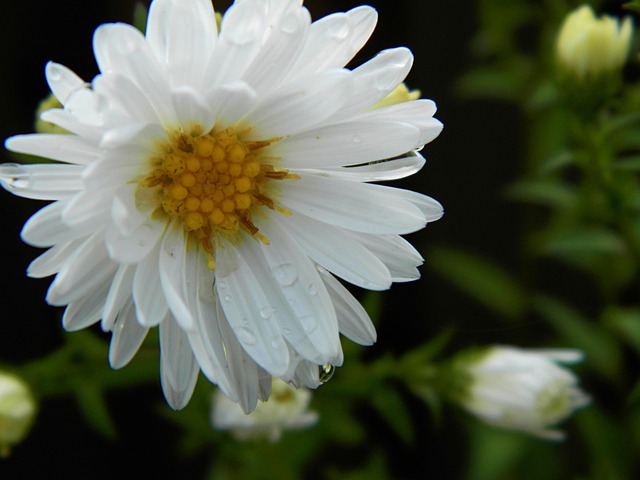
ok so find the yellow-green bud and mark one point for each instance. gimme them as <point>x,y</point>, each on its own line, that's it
<point>400,94</point>
<point>49,102</point>
<point>588,46</point>
<point>17,410</point>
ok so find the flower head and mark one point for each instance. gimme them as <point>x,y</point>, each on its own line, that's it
<point>519,389</point>
<point>215,181</point>
<point>588,46</point>
<point>286,409</point>
<point>17,409</point>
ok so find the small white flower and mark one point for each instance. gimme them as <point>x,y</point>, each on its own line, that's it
<point>17,410</point>
<point>523,389</point>
<point>591,46</point>
<point>286,409</point>
<point>213,184</point>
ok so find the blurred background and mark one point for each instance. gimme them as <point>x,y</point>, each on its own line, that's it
<point>488,66</point>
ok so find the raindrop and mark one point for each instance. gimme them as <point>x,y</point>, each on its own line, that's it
<point>357,139</point>
<point>227,298</point>
<point>313,290</point>
<point>276,343</point>
<point>285,274</point>
<point>340,27</point>
<point>325,372</point>
<point>55,73</point>
<point>289,24</point>
<point>309,323</point>
<point>266,312</point>
<point>245,336</point>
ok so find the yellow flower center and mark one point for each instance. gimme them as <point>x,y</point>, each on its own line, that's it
<point>213,183</point>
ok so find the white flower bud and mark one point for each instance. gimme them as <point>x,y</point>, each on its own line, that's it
<point>17,409</point>
<point>286,409</point>
<point>523,390</point>
<point>588,46</point>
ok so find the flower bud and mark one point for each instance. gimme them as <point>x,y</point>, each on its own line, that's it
<point>17,409</point>
<point>524,390</point>
<point>286,409</point>
<point>590,46</point>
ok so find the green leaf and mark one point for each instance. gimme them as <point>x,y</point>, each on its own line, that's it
<point>549,193</point>
<point>140,14</point>
<point>484,281</point>
<point>390,405</point>
<point>556,162</point>
<point>631,163</point>
<point>626,323</point>
<point>632,6</point>
<point>493,452</point>
<point>93,405</point>
<point>602,351</point>
<point>591,241</point>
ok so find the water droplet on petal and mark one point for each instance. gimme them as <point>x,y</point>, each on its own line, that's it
<point>54,72</point>
<point>245,336</point>
<point>266,312</point>
<point>285,274</point>
<point>313,290</point>
<point>340,27</point>
<point>227,298</point>
<point>309,323</point>
<point>325,373</point>
<point>357,139</point>
<point>290,24</point>
<point>276,342</point>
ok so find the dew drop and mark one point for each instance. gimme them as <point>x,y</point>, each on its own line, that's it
<point>276,343</point>
<point>285,274</point>
<point>227,298</point>
<point>222,284</point>
<point>245,336</point>
<point>289,24</point>
<point>313,290</point>
<point>357,139</point>
<point>340,27</point>
<point>266,312</point>
<point>325,372</point>
<point>54,73</point>
<point>309,323</point>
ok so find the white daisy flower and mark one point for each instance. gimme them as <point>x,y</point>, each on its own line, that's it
<point>523,390</point>
<point>215,182</point>
<point>286,409</point>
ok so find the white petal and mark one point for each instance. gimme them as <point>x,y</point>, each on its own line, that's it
<point>430,208</point>
<point>240,39</point>
<point>61,147</point>
<point>243,299</point>
<point>348,143</point>
<point>396,253</point>
<point>191,111</point>
<point>53,260</point>
<point>280,51</point>
<point>65,119</point>
<point>182,35</point>
<point>142,134</point>
<point>353,319</point>
<point>378,171</point>
<point>134,247</point>
<point>355,206</point>
<point>377,78</point>
<point>243,369</point>
<point>300,105</point>
<point>336,251</point>
<point>126,96</point>
<point>41,181</point>
<point>127,336</point>
<point>174,274</point>
<point>46,228</point>
<point>178,368</point>
<point>298,280</point>
<point>87,310</point>
<point>88,209</point>
<point>119,294</point>
<point>148,297</point>
<point>122,49</point>
<point>228,103</point>
<point>334,40</point>
<point>62,81</point>
<point>87,268</point>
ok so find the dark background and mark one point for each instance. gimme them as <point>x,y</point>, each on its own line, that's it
<point>477,154</point>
